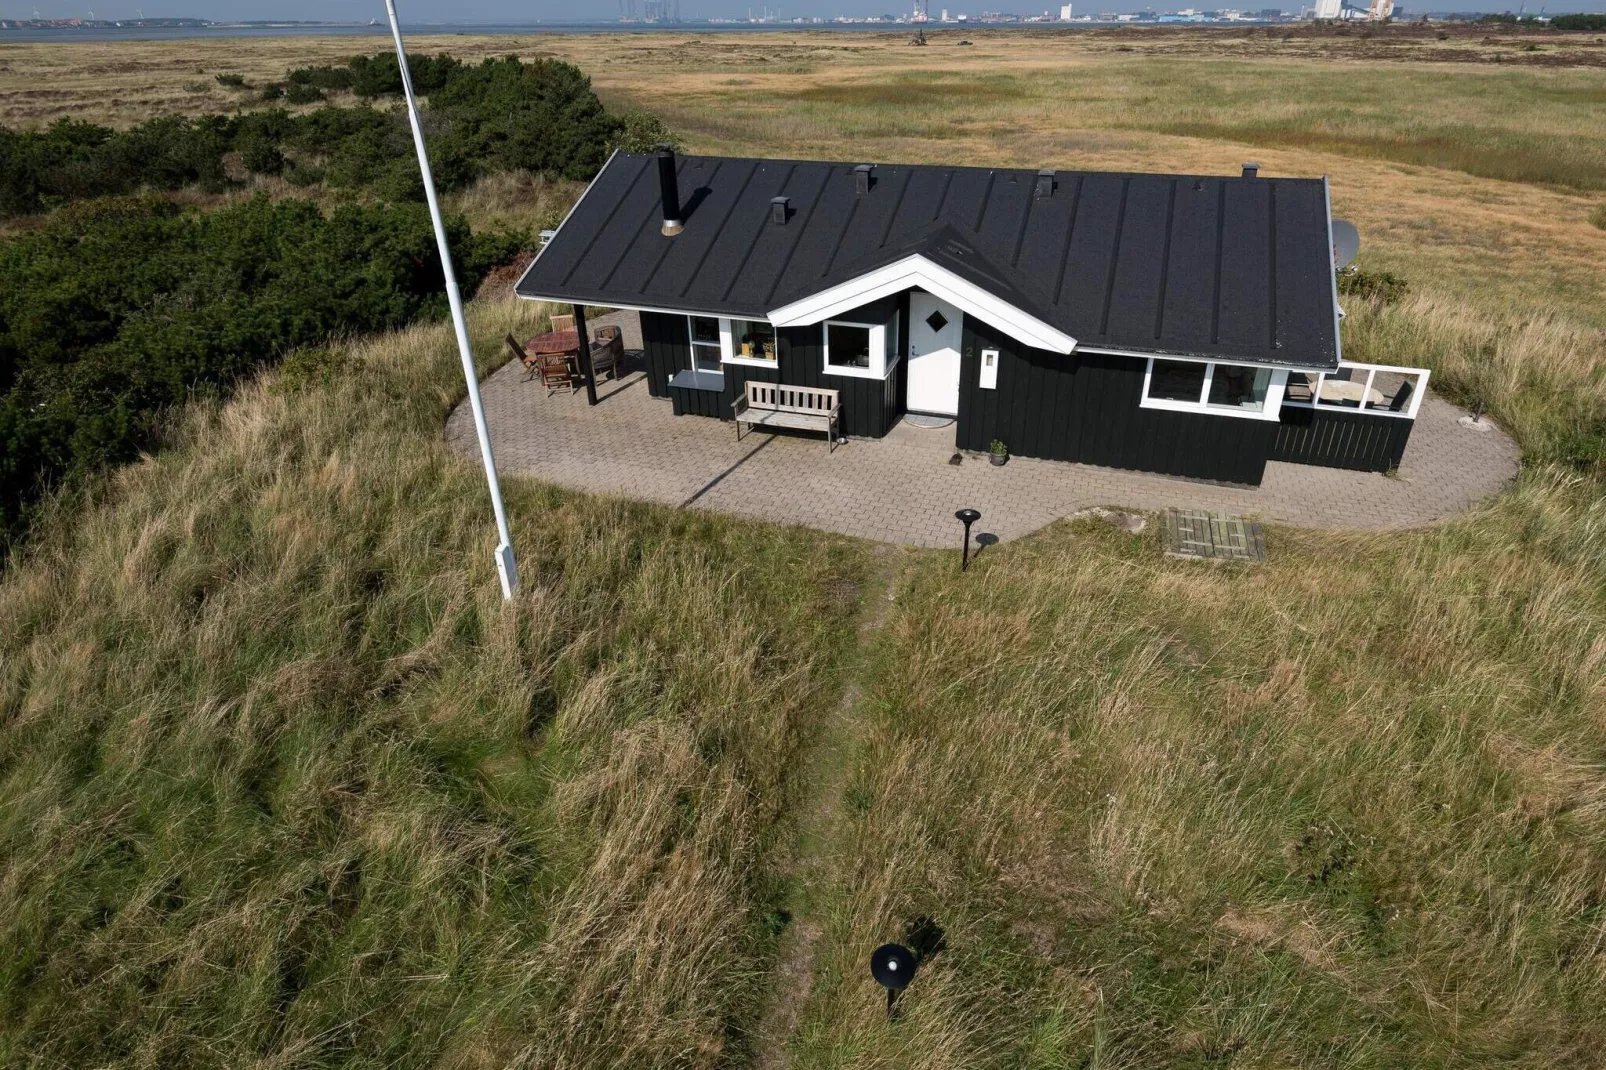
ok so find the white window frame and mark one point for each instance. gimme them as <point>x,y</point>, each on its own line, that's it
<point>1270,409</point>
<point>880,367</point>
<point>693,345</point>
<point>729,346</point>
<point>1419,392</point>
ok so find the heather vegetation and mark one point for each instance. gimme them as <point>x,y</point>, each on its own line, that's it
<point>499,115</point>
<point>117,310</point>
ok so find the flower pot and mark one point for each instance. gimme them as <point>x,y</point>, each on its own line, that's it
<point>998,459</point>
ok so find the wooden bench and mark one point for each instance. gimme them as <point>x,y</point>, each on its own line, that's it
<point>807,408</point>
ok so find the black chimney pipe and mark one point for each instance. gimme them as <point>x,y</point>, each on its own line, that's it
<point>670,190</point>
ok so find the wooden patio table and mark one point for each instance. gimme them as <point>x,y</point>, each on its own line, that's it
<point>554,342</point>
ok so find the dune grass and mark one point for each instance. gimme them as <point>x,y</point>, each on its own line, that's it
<point>1342,810</point>
<point>283,783</point>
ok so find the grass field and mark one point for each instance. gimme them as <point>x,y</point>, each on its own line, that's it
<point>283,784</point>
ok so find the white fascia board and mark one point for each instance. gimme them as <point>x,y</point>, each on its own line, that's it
<point>1194,358</point>
<point>936,280</point>
<point>1332,271</point>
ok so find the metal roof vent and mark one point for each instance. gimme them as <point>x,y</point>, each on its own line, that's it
<point>1045,184</point>
<point>1251,169</point>
<point>779,209</point>
<point>861,178</point>
<point>669,189</point>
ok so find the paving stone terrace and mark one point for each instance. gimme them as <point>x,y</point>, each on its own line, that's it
<point>902,489</point>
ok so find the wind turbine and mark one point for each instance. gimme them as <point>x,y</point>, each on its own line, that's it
<point>506,568</point>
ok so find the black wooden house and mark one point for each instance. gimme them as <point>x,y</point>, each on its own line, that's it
<point>1179,324</point>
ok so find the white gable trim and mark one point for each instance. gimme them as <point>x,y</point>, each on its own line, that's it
<point>936,280</point>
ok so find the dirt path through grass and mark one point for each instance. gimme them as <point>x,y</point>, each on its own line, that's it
<point>819,823</point>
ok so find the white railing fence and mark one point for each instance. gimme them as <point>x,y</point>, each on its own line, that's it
<point>1378,389</point>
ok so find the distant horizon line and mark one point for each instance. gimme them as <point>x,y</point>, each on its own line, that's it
<point>727,21</point>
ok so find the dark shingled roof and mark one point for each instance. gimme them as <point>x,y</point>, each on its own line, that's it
<point>1235,268</point>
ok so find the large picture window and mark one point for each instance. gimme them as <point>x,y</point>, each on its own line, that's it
<point>1225,389</point>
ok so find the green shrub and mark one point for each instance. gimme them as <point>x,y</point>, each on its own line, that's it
<point>300,93</point>
<point>116,310</point>
<point>1580,22</point>
<point>260,155</point>
<point>641,131</point>
<point>1382,287</point>
<point>273,91</point>
<point>323,77</point>
<point>501,115</point>
<point>1598,216</point>
<point>232,81</point>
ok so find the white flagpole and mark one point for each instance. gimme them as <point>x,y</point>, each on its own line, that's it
<point>506,568</point>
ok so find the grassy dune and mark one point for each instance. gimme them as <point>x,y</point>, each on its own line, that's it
<point>283,784</point>
<point>281,779</point>
<point>1344,810</point>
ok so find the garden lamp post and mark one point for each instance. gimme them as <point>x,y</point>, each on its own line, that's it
<point>966,517</point>
<point>506,568</point>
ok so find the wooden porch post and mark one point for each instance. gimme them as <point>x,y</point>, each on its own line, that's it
<point>585,353</point>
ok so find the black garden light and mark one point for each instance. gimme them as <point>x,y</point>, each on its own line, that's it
<point>966,517</point>
<point>893,967</point>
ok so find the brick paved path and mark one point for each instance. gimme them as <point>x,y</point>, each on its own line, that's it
<point>902,489</point>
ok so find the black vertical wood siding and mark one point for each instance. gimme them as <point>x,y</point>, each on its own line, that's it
<point>1336,438</point>
<point>667,346</point>
<point>869,406</point>
<point>1084,407</point>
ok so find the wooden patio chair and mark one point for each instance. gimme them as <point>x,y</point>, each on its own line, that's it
<point>609,355</point>
<point>556,372</point>
<point>563,323</point>
<point>531,364</point>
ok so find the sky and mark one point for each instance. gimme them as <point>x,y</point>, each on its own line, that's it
<point>529,11</point>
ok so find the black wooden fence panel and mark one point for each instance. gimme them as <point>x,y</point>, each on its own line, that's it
<point>1336,438</point>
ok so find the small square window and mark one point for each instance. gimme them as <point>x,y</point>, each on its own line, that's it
<point>936,321</point>
<point>847,345</point>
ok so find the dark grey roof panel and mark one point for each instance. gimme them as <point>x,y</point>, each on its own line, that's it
<point>1207,266</point>
<point>1091,254</point>
<point>1190,293</point>
<point>1134,299</point>
<point>1244,319</point>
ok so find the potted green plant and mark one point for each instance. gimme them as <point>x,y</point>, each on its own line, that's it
<point>998,453</point>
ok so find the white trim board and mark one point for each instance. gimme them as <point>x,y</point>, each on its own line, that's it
<point>936,280</point>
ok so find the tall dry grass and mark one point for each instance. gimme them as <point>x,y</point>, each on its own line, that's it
<point>1542,375</point>
<point>1344,809</point>
<point>283,783</point>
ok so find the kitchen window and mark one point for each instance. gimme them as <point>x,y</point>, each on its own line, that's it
<point>751,342</point>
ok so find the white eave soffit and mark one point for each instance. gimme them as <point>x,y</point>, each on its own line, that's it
<point>938,281</point>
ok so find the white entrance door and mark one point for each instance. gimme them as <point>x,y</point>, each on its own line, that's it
<point>934,332</point>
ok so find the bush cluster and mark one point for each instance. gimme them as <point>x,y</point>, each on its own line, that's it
<point>1580,22</point>
<point>1382,287</point>
<point>118,309</point>
<point>502,114</point>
